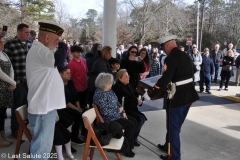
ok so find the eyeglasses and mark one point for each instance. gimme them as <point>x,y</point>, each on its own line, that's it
<point>133,52</point>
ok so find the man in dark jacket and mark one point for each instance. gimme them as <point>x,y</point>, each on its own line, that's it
<point>178,69</point>
<point>207,69</point>
<point>60,55</point>
<point>237,63</point>
<point>216,55</point>
<point>17,49</point>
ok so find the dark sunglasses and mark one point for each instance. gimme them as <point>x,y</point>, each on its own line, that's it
<point>133,52</point>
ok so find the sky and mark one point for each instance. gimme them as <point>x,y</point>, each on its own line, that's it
<point>80,7</point>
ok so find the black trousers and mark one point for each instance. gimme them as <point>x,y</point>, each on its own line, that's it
<point>89,98</point>
<point>77,120</point>
<point>223,78</point>
<point>140,120</point>
<point>129,127</point>
<point>82,97</point>
<point>2,117</point>
<point>20,98</point>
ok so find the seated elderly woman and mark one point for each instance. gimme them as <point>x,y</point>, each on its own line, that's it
<point>111,109</point>
<point>122,88</point>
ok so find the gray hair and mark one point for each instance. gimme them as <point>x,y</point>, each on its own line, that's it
<point>103,79</point>
<point>217,45</point>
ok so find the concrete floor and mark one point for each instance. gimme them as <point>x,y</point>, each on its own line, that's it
<point>211,131</point>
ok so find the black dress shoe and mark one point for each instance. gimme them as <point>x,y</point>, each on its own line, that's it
<point>77,141</point>
<point>130,154</point>
<point>162,148</point>
<point>164,156</point>
<point>15,133</point>
<point>137,144</point>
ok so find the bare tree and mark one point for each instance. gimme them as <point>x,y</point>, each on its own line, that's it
<point>124,29</point>
<point>9,16</point>
<point>232,19</point>
<point>141,16</point>
<point>70,24</point>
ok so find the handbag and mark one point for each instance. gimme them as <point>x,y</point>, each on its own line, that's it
<point>102,134</point>
<point>227,68</point>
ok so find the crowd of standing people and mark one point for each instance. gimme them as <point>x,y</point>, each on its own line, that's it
<point>59,79</point>
<point>209,63</point>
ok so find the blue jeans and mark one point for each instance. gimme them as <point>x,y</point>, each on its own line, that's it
<point>217,66</point>
<point>42,127</point>
<point>139,126</point>
<point>207,79</point>
<point>177,117</point>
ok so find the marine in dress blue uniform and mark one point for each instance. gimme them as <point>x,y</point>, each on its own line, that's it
<point>179,70</point>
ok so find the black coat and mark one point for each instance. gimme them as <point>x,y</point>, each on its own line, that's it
<point>125,54</point>
<point>178,66</point>
<point>227,61</point>
<point>99,65</point>
<point>71,94</point>
<point>131,102</point>
<point>118,56</point>
<point>134,69</point>
<point>237,62</point>
<point>60,55</point>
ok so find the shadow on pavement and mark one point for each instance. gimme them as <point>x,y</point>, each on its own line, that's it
<point>199,142</point>
<point>235,128</point>
<point>202,142</point>
<point>205,100</point>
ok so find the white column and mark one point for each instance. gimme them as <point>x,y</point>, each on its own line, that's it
<point>110,25</point>
<point>197,24</point>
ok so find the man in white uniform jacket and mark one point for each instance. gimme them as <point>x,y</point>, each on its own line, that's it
<point>46,89</point>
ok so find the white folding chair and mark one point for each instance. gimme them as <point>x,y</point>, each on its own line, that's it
<point>115,144</point>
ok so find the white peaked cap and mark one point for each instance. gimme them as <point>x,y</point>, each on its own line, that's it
<point>165,39</point>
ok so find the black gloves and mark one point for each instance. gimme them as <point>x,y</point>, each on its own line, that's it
<point>155,93</point>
